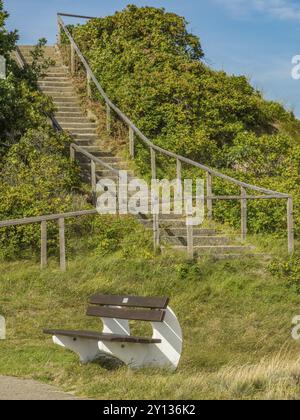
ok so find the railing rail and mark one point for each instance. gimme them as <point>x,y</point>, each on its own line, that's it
<point>60,218</point>
<point>210,172</point>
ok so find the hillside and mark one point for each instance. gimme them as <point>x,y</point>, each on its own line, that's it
<point>155,71</point>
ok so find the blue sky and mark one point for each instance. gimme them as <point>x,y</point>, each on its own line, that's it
<point>257,38</point>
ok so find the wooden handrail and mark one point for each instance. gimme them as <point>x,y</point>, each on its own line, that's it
<point>77,16</point>
<point>46,218</point>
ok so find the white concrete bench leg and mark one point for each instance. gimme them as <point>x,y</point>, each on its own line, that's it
<point>164,355</point>
<point>88,349</point>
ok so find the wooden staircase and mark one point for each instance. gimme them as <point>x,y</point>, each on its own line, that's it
<point>72,118</point>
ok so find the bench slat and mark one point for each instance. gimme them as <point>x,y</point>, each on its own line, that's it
<point>130,314</point>
<point>104,337</point>
<point>131,301</point>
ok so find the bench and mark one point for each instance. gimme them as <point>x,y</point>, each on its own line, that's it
<point>163,349</point>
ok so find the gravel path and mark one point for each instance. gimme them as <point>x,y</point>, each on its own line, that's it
<point>24,389</point>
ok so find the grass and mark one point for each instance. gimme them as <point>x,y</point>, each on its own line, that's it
<point>236,318</point>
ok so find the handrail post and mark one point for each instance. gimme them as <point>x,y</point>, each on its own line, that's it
<point>58,32</point>
<point>156,233</point>
<point>131,142</point>
<point>43,244</point>
<point>62,244</point>
<point>108,119</point>
<point>178,170</point>
<point>190,240</point>
<point>88,85</point>
<point>72,154</point>
<point>73,64</point>
<point>93,180</point>
<point>290,223</point>
<point>243,214</point>
<point>209,195</point>
<point>153,163</point>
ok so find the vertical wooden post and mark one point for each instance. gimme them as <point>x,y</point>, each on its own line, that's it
<point>131,142</point>
<point>43,244</point>
<point>153,163</point>
<point>93,180</point>
<point>72,154</point>
<point>190,240</point>
<point>88,85</point>
<point>62,244</point>
<point>108,119</point>
<point>58,34</point>
<point>243,214</point>
<point>156,233</point>
<point>209,194</point>
<point>290,223</point>
<point>178,170</point>
<point>73,64</point>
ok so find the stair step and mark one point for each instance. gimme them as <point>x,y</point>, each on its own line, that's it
<point>197,239</point>
<point>64,88</point>
<point>61,78</point>
<point>218,249</point>
<point>86,124</point>
<point>56,82</point>
<point>182,231</point>
<point>69,108</point>
<point>84,142</point>
<point>85,136</point>
<point>60,72</point>
<point>71,116</point>
<point>65,100</point>
<point>76,116</point>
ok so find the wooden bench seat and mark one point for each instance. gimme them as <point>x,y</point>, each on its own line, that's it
<point>163,349</point>
<point>103,337</point>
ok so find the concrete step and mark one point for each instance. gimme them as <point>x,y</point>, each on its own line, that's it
<point>218,249</point>
<point>85,136</point>
<point>64,101</point>
<point>56,85</point>
<point>170,224</point>
<point>57,92</point>
<point>182,231</point>
<point>84,129</point>
<point>71,116</point>
<point>63,95</point>
<point>56,73</point>
<point>85,139</point>
<point>69,108</point>
<point>197,239</point>
<point>80,119</point>
<point>87,124</point>
<point>60,78</point>
<point>106,173</point>
<point>85,142</point>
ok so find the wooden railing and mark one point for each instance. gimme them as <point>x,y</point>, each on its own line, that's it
<point>60,218</point>
<point>135,133</point>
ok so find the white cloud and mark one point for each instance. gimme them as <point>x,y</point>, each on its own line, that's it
<point>281,9</point>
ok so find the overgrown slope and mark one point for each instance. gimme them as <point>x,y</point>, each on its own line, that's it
<point>153,69</point>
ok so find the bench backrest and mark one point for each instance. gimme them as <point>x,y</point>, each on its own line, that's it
<point>135,308</point>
